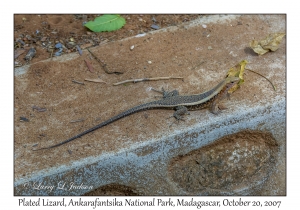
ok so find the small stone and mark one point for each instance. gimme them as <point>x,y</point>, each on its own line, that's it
<point>58,45</point>
<point>210,48</point>
<point>24,119</point>
<point>204,26</point>
<point>156,27</point>
<point>31,53</point>
<point>132,47</point>
<point>20,41</point>
<point>140,35</point>
<point>59,52</point>
<point>70,45</point>
<point>149,62</point>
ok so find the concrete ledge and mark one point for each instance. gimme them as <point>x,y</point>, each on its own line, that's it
<point>144,167</point>
<point>253,126</point>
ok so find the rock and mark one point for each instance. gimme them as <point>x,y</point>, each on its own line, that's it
<point>58,45</point>
<point>156,27</point>
<point>59,52</point>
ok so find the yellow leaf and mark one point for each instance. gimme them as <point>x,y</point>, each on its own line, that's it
<point>237,71</point>
<point>243,64</point>
<point>270,42</point>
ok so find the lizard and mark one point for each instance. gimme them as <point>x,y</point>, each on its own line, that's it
<point>172,100</point>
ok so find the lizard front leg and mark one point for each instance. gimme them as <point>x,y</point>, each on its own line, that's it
<point>216,106</point>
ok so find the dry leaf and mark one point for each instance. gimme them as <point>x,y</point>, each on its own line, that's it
<point>86,45</point>
<point>271,42</point>
<point>90,67</point>
<point>237,71</point>
<point>18,52</point>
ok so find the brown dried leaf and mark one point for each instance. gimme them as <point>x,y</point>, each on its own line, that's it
<point>43,39</point>
<point>271,42</point>
<point>90,67</point>
<point>257,47</point>
<point>86,45</point>
<point>18,52</point>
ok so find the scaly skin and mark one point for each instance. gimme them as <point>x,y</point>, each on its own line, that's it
<point>172,100</point>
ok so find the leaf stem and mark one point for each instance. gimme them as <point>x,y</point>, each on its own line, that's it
<point>263,77</point>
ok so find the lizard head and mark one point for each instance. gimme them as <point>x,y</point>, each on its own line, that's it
<point>230,82</point>
<point>232,79</point>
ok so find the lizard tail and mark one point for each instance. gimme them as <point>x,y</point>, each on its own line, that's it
<point>113,119</point>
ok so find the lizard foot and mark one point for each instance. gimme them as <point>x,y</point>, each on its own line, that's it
<point>217,109</point>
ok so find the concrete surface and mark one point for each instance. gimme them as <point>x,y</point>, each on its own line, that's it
<point>238,152</point>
